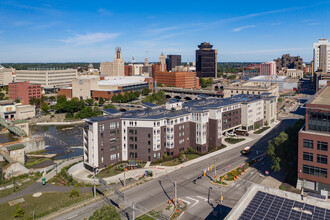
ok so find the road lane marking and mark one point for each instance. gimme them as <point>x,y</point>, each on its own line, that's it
<point>202,198</point>
<point>180,215</point>
<point>196,201</point>
<point>186,201</point>
<point>73,216</point>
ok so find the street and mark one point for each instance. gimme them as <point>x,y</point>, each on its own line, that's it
<point>192,186</point>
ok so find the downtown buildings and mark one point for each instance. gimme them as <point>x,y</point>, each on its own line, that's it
<point>313,144</point>
<point>322,55</point>
<point>115,68</point>
<point>24,91</point>
<point>149,134</point>
<point>267,69</point>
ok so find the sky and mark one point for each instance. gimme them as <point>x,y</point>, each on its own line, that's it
<point>89,31</point>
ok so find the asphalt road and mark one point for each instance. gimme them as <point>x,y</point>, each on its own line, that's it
<point>191,185</point>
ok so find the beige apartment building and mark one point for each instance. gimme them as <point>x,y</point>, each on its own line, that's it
<point>252,88</point>
<point>270,109</point>
<point>48,79</point>
<point>252,114</point>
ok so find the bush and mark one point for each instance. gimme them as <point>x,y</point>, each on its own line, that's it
<point>107,212</point>
<point>74,192</point>
<point>19,212</point>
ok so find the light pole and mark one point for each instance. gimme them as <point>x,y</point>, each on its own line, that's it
<point>208,197</point>
<point>95,172</point>
<point>175,197</point>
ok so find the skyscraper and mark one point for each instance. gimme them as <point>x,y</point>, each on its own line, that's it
<point>206,60</point>
<point>173,61</point>
<point>321,55</point>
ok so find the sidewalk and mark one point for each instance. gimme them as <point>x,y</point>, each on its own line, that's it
<point>79,173</point>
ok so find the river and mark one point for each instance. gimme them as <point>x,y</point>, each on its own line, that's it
<point>65,141</point>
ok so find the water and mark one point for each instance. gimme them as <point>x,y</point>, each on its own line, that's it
<point>8,137</point>
<point>65,141</point>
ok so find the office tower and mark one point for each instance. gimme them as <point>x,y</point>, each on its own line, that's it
<point>322,55</point>
<point>116,68</point>
<point>173,61</point>
<point>206,60</point>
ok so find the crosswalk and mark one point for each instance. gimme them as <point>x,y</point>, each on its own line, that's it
<point>191,201</point>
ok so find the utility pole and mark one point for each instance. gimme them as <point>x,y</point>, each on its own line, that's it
<point>176,196</point>
<point>220,196</point>
<point>208,197</point>
<point>133,206</point>
<point>95,171</point>
<point>125,176</point>
<point>215,171</point>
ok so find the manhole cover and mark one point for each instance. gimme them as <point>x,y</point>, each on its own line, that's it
<point>37,194</point>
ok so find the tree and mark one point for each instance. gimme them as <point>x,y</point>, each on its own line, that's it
<point>90,102</point>
<point>146,91</point>
<point>137,94</point>
<point>52,98</point>
<point>101,101</point>
<point>61,99</point>
<point>107,212</point>
<point>74,192</point>
<point>114,98</point>
<point>109,106</point>
<point>19,212</point>
<point>17,100</point>
<point>44,107</point>
<point>120,98</point>
<point>2,96</point>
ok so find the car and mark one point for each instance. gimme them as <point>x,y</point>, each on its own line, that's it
<point>231,134</point>
<point>246,150</point>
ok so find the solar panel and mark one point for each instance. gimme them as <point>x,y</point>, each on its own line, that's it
<point>267,206</point>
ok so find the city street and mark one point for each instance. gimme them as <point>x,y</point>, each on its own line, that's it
<point>192,186</point>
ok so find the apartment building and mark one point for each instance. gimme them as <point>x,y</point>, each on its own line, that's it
<point>149,134</point>
<point>47,78</point>
<point>313,144</point>
<point>252,114</point>
<point>268,68</point>
<point>254,88</point>
<point>321,55</point>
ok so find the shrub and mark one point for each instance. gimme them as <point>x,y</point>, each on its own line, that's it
<point>74,192</point>
<point>19,212</point>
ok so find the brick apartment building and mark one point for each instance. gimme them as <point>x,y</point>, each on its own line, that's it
<point>148,134</point>
<point>313,145</point>
<point>186,80</point>
<point>24,91</point>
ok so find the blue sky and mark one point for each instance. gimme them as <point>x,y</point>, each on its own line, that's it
<point>89,31</point>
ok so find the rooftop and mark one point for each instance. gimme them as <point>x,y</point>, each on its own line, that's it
<point>260,202</point>
<point>118,82</point>
<point>322,97</point>
<point>15,147</point>
<point>19,122</point>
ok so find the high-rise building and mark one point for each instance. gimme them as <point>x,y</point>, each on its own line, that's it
<point>268,68</point>
<point>322,55</point>
<point>172,61</point>
<point>116,68</point>
<point>288,62</point>
<point>206,60</point>
<point>313,144</point>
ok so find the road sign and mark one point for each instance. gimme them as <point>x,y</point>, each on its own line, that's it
<point>103,183</point>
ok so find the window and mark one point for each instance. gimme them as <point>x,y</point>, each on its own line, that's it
<point>112,148</point>
<point>112,133</point>
<point>322,159</point>
<point>315,171</point>
<point>148,150</point>
<point>101,143</point>
<point>148,142</point>
<point>112,125</point>
<point>112,140</point>
<point>101,159</point>
<point>101,150</point>
<point>131,131</point>
<point>131,138</point>
<point>149,135</point>
<point>307,156</point>
<point>113,156</point>
<point>131,155</point>
<point>135,138</point>
<point>308,144</point>
<point>131,146</point>
<point>322,146</point>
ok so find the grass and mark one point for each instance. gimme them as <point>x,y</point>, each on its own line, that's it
<point>64,179</point>
<point>261,130</point>
<point>43,205</point>
<point>176,161</point>
<point>116,169</point>
<point>31,162</point>
<point>282,187</point>
<point>17,188</point>
<point>222,146</point>
<point>38,152</point>
<point>234,140</point>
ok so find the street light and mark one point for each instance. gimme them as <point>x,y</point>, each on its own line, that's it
<point>208,197</point>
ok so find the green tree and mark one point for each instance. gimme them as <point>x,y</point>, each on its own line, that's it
<point>107,212</point>
<point>114,98</point>
<point>109,106</point>
<point>137,94</point>
<point>125,98</point>
<point>19,212</point>
<point>52,98</point>
<point>131,96</point>
<point>120,98</point>
<point>61,99</point>
<point>2,96</point>
<point>90,102</point>
<point>101,101</point>
<point>17,100</point>
<point>44,107</point>
<point>74,193</point>
<point>145,91</point>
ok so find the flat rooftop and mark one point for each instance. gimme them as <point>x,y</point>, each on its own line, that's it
<point>261,202</point>
<point>118,82</point>
<point>322,98</point>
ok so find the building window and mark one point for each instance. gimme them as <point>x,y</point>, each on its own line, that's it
<point>315,171</point>
<point>112,125</point>
<point>131,155</point>
<point>131,146</point>
<point>149,135</point>
<point>307,156</point>
<point>113,148</point>
<point>308,144</point>
<point>112,140</point>
<point>148,142</point>
<point>101,159</point>
<point>322,146</point>
<point>131,131</point>
<point>113,156</point>
<point>131,138</point>
<point>322,159</point>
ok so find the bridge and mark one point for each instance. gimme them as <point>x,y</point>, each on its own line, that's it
<point>187,94</point>
<point>123,107</point>
<point>16,130</point>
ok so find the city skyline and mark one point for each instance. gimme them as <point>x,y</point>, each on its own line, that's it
<point>246,32</point>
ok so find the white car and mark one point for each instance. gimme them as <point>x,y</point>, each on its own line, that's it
<point>231,134</point>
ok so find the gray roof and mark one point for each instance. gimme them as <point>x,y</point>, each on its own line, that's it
<point>110,111</point>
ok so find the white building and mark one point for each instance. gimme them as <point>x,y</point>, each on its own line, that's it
<point>322,55</point>
<point>6,76</point>
<point>295,73</point>
<point>252,114</point>
<point>47,78</point>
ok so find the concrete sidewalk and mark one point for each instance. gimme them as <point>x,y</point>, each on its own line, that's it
<point>79,173</point>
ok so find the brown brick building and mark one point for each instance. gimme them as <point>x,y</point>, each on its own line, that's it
<point>289,62</point>
<point>313,144</point>
<point>187,80</point>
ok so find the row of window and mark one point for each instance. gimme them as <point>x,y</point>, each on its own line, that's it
<point>112,157</point>
<point>320,158</point>
<point>315,171</point>
<point>323,146</point>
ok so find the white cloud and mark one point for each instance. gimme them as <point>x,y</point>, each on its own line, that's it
<point>243,27</point>
<point>91,38</point>
<point>163,29</point>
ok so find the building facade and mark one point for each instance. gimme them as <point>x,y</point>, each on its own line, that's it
<point>322,55</point>
<point>187,80</point>
<point>6,76</point>
<point>172,61</point>
<point>268,68</point>
<point>294,73</point>
<point>149,134</point>
<point>24,91</point>
<point>288,62</point>
<point>25,111</point>
<point>48,79</point>
<point>313,144</point>
<point>254,88</point>
<point>206,60</point>
<point>116,68</point>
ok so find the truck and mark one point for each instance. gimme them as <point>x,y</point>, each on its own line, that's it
<point>246,150</point>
